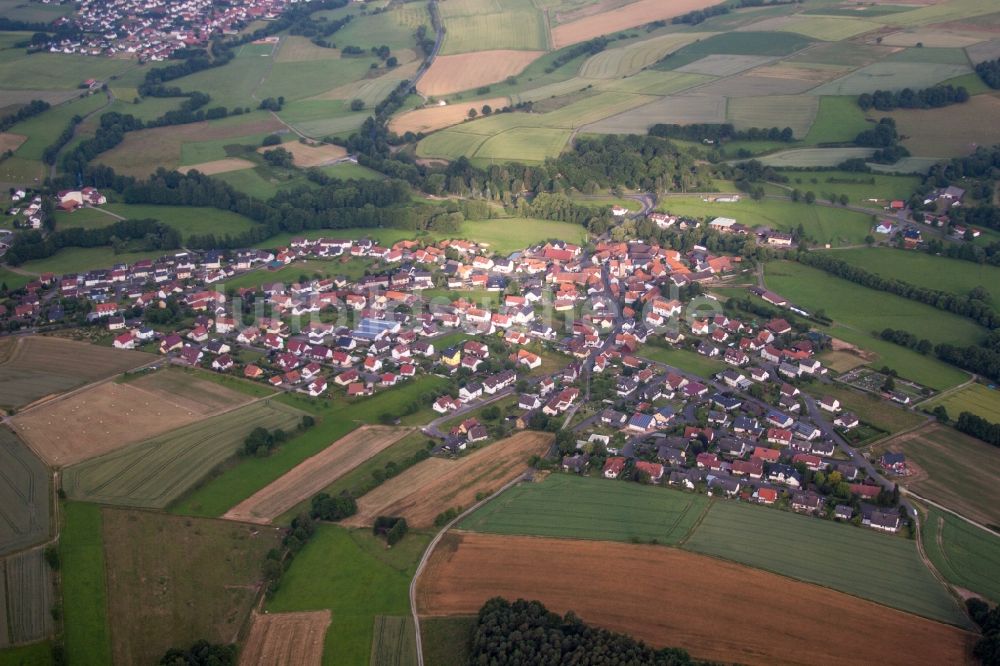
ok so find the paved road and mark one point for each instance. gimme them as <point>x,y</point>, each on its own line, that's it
<point>429,60</point>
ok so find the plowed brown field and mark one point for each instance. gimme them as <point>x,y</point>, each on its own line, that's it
<point>629,16</point>
<point>438,117</point>
<point>455,73</point>
<point>315,473</point>
<point>715,609</point>
<point>305,155</point>
<point>277,639</point>
<point>422,492</point>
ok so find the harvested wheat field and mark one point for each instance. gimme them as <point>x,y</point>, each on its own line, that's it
<point>438,117</point>
<point>666,597</point>
<point>108,416</point>
<point>10,141</point>
<point>622,18</point>
<point>422,492</point>
<point>455,73</point>
<point>277,639</point>
<point>314,474</point>
<point>309,155</point>
<point>219,166</point>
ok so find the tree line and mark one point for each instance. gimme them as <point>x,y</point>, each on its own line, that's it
<point>885,138</point>
<point>526,632</point>
<point>978,310</point>
<point>979,428</point>
<point>983,360</point>
<point>52,150</point>
<point>718,132</point>
<point>987,648</point>
<point>32,108</point>
<point>989,72</point>
<point>908,98</point>
<point>145,234</point>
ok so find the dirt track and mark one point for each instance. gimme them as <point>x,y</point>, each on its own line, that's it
<point>315,473</point>
<point>715,609</point>
<point>422,492</point>
<point>278,639</point>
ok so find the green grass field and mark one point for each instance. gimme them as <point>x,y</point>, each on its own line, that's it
<point>394,27</point>
<point>248,475</point>
<point>822,224</point>
<point>393,641</point>
<point>965,555</point>
<point>625,61</point>
<point>925,270</point>
<point>828,28</point>
<point>866,309</point>
<point>36,654</point>
<point>84,591</point>
<point>795,111</point>
<point>683,359</point>
<point>860,188</point>
<point>51,71</point>
<point>506,235</point>
<point>885,569</point>
<point>158,471</point>
<point>976,398</point>
<point>187,220</point>
<point>870,408</point>
<point>447,641</point>
<point>571,506</point>
<point>354,575</point>
<point>481,25</point>
<point>78,259</point>
<point>43,129</point>
<point>352,269</point>
<point>738,43</point>
<point>839,119</point>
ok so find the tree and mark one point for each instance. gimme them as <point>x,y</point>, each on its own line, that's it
<point>357,104</point>
<point>869,240</point>
<point>279,157</point>
<point>889,384</point>
<point>941,414</point>
<point>271,140</point>
<point>487,109</point>
<point>472,113</point>
<point>844,199</point>
<point>810,197</point>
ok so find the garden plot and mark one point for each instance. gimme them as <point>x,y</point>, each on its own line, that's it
<point>724,65</point>
<point>678,109</point>
<point>891,76</point>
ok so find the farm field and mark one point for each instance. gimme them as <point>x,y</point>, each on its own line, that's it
<point>467,569</point>
<point>881,568</point>
<point>43,129</point>
<point>808,158</point>
<point>935,133</point>
<point>80,259</point>
<point>187,220</point>
<point>570,506</point>
<point>454,73</point>
<point>307,155</point>
<point>29,598</point>
<point>422,492</point>
<point>870,408</point>
<point>822,224</point>
<point>624,61</point>
<point>891,76</point>
<point>286,638</point>
<point>393,27</point>
<point>433,118</point>
<point>506,235</point>
<point>366,581</point>
<point>967,556</point>
<point>952,469</point>
<point>157,471</point>
<point>447,641</point>
<point>216,167</point>
<point>860,188</point>
<point>315,473</point>
<point>796,111</point>
<point>683,359</point>
<point>25,495</point>
<point>111,415</point>
<point>393,643</point>
<point>814,289</point>
<point>919,268</point>
<point>36,367</point>
<point>976,398</point>
<point>620,18</point>
<point>246,476</point>
<point>174,580</point>
<point>36,654</point>
<point>838,119</point>
<point>84,591</point>
<point>679,109</point>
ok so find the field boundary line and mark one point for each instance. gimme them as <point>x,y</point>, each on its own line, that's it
<point>695,525</point>
<point>906,491</point>
<point>952,591</point>
<point>947,392</point>
<point>430,551</point>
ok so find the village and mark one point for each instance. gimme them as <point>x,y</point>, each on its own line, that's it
<point>554,337</point>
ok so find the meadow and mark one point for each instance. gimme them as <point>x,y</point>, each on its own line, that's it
<point>954,470</point>
<point>235,483</point>
<point>949,134</point>
<point>822,224</point>
<point>795,111</point>
<point>577,507</point>
<point>82,259</point>
<point>482,25</point>
<point>756,43</point>
<point>892,76</point>
<point>188,220</point>
<point>206,574</point>
<point>683,359</point>
<point>870,408</point>
<point>976,398</point>
<point>885,569</point>
<point>351,573</point>
<point>838,119</point>
<point>965,555</point>
<point>156,472</point>
<point>866,309</point>
<point>860,188</point>
<point>84,590</point>
<point>25,495</point>
<point>925,270</point>
<point>447,640</point>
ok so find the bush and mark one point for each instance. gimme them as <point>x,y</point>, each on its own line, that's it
<point>271,140</point>
<point>325,507</point>
<point>357,104</point>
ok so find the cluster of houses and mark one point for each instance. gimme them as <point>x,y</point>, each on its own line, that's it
<point>26,209</point>
<point>152,30</point>
<point>724,225</point>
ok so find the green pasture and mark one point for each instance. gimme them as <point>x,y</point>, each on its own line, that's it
<point>323,117</point>
<point>506,235</point>
<point>528,145</point>
<point>839,119</point>
<point>299,80</point>
<point>952,10</point>
<point>484,26</point>
<point>866,309</point>
<point>795,111</point>
<point>737,43</point>
<point>33,12</point>
<point>861,188</point>
<point>577,507</point>
<point>35,654</point>
<point>325,268</point>
<point>248,475</point>
<point>975,398</point>
<point>13,280</point>
<point>79,259</point>
<point>926,270</point>
<point>882,568</point>
<point>261,182</point>
<point>870,408</point>
<point>187,220</point>
<point>393,27</point>
<point>940,56</point>
<point>965,555</point>
<point>810,158</point>
<point>84,592</point>
<point>44,128</point>
<point>56,71</point>
<point>823,224</point>
<point>233,84</point>
<point>353,574</point>
<point>683,359</point>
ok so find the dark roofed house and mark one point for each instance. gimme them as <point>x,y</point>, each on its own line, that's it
<point>894,463</point>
